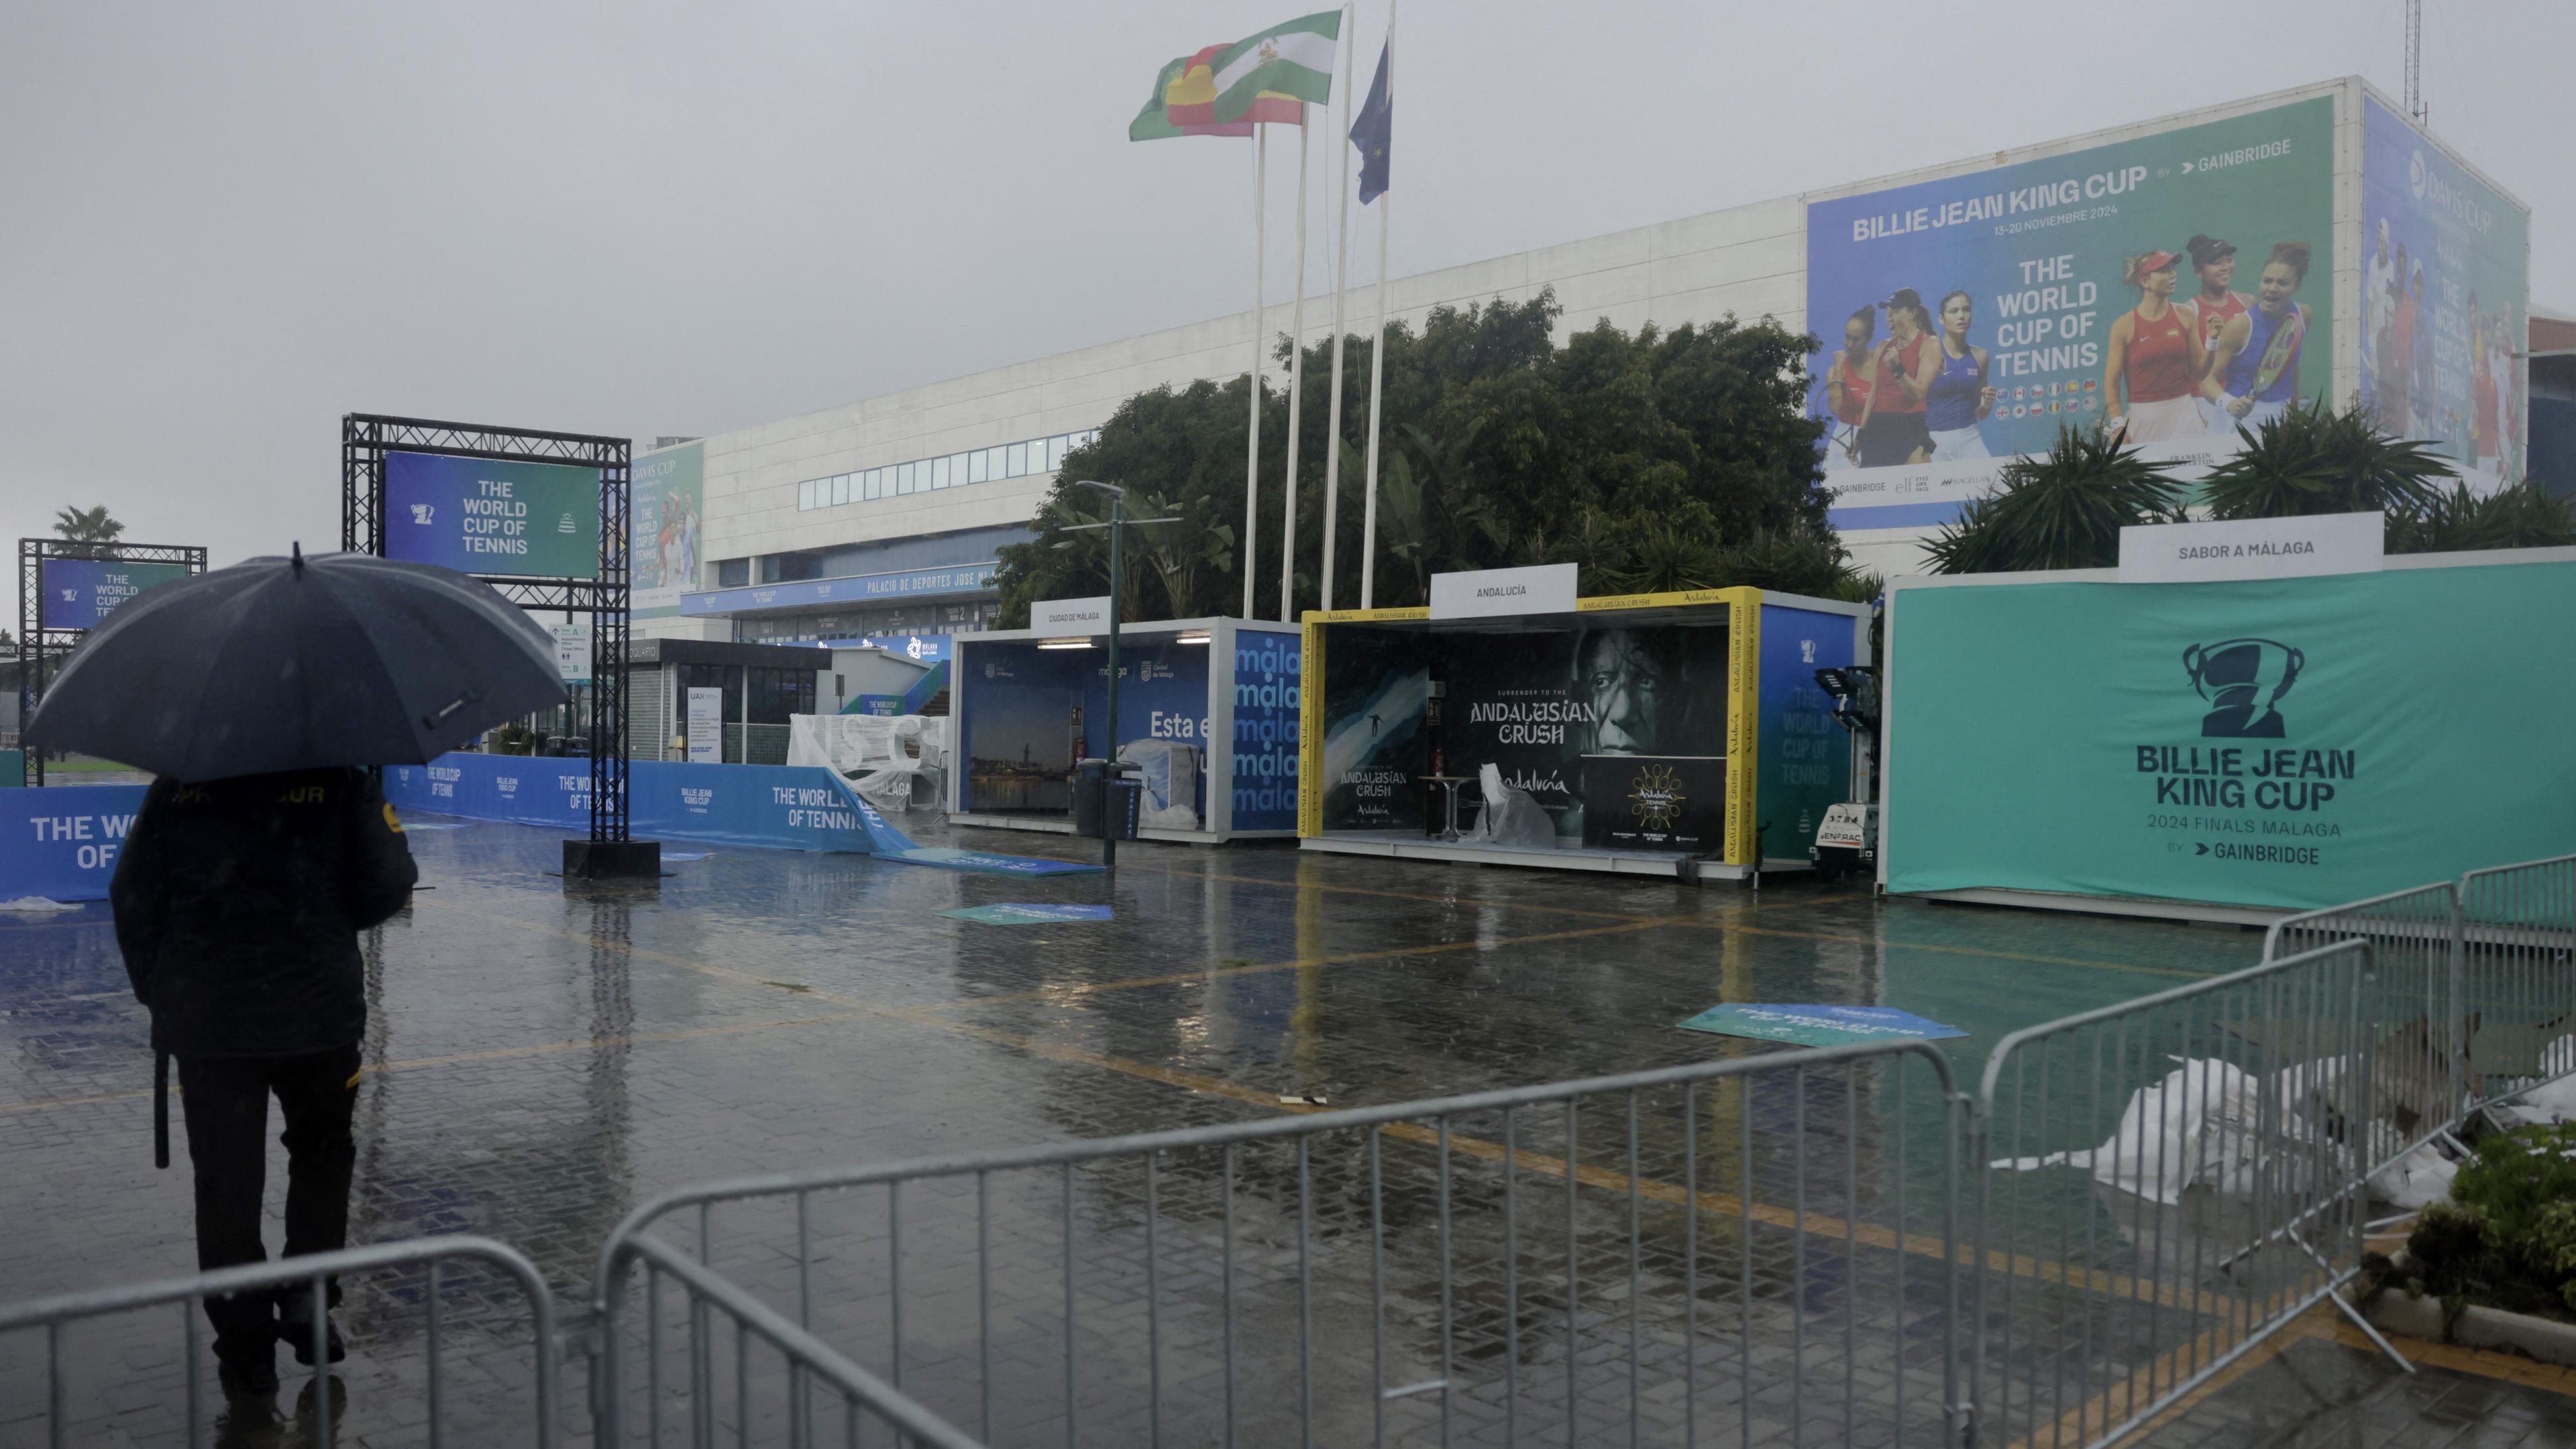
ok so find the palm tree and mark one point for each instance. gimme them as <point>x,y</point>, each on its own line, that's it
<point>2062,509</point>
<point>2311,460</point>
<point>88,526</point>
<point>2522,516</point>
<point>1190,556</point>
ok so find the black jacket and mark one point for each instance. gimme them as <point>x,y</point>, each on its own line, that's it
<point>238,906</point>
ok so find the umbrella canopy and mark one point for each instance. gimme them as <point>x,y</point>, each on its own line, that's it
<point>295,664</point>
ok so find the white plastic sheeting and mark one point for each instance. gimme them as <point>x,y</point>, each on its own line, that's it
<point>1171,771</point>
<point>1511,816</point>
<point>881,755</point>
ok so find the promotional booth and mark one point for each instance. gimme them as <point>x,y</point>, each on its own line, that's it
<point>1026,704</point>
<point>1659,734</point>
<point>2228,749</point>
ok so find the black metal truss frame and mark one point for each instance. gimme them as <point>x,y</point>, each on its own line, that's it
<point>37,645</point>
<point>365,438</point>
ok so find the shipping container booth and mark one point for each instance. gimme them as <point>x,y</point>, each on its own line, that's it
<point>1207,712</point>
<point>2228,749</point>
<point>1676,734</point>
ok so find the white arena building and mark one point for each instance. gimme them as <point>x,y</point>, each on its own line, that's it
<point>881,517</point>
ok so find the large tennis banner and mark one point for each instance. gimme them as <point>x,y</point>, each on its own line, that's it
<point>670,505</point>
<point>2445,301</point>
<point>492,516</point>
<point>2174,286</point>
<point>2285,743</point>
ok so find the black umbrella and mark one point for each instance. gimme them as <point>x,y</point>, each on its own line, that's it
<point>298,663</point>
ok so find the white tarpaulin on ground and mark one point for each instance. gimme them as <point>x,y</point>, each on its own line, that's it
<point>881,755</point>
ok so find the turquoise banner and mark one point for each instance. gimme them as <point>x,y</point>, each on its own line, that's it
<point>2289,743</point>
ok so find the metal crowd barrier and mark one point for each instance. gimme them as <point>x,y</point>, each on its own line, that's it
<point>57,1315</point>
<point>1724,1251</point>
<point>2218,1190</point>
<point>2518,976</point>
<point>2477,995</point>
<point>805,1367</point>
<point>1767,1247</point>
<point>2415,944</point>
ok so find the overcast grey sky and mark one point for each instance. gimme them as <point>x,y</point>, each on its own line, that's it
<point>223,226</point>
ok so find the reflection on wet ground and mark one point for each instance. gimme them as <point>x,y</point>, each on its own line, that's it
<point>539,1062</point>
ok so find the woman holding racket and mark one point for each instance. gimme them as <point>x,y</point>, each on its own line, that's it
<point>2156,351</point>
<point>1848,379</point>
<point>2254,374</point>
<point>1894,431</point>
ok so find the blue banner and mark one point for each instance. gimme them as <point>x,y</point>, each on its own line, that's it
<point>1967,320</point>
<point>80,593</point>
<point>2445,301</point>
<point>866,588</point>
<point>490,516</point>
<point>61,843</point>
<point>771,806</point>
<point>1267,665</point>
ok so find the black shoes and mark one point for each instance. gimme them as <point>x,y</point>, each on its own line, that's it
<point>295,1330</point>
<point>246,1375</point>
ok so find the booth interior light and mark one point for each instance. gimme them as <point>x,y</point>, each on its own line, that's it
<point>1194,636</point>
<point>1064,643</point>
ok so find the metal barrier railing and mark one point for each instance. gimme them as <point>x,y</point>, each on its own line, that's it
<point>2222,1190</point>
<point>807,1365</point>
<point>2415,939</point>
<point>1730,1248</point>
<point>2518,976</point>
<point>312,1273</point>
<point>1760,1246</point>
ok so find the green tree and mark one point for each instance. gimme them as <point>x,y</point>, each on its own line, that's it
<point>2522,516</point>
<point>2066,509</point>
<point>2062,509</point>
<point>89,526</point>
<point>2313,460</point>
<point>1658,455</point>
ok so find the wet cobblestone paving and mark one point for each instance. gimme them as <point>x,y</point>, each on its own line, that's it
<point>540,1063</point>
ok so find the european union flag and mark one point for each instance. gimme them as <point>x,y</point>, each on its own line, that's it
<point>1370,131</point>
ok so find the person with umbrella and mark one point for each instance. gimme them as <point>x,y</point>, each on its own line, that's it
<point>263,850</point>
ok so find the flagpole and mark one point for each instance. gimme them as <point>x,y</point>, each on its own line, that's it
<point>1296,374</point>
<point>1252,431</point>
<point>1377,357</point>
<point>1341,280</point>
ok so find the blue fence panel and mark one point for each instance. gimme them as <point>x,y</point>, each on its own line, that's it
<point>62,842</point>
<point>776,807</point>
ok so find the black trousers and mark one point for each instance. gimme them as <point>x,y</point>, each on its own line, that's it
<point>225,1100</point>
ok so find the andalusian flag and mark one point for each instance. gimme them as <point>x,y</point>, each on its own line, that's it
<point>1293,60</point>
<point>1191,99</point>
<point>1154,122</point>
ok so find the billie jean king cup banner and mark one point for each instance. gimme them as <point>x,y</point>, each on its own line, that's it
<point>1965,321</point>
<point>488,516</point>
<point>2445,302</point>
<point>2282,743</point>
<point>80,593</point>
<point>670,501</point>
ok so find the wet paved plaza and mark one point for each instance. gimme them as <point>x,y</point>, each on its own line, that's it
<point>540,1062</point>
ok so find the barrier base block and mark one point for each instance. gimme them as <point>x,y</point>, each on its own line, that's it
<point>612,860</point>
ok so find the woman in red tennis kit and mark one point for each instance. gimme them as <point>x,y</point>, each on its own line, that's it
<point>1895,432</point>
<point>2214,306</point>
<point>2156,351</point>
<point>1848,378</point>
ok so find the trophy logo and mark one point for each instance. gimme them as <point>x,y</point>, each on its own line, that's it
<point>2243,679</point>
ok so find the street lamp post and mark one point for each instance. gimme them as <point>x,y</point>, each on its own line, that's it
<point>1117,525</point>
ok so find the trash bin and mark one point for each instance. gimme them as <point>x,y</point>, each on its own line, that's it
<point>1126,801</point>
<point>1101,796</point>
<point>1089,780</point>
